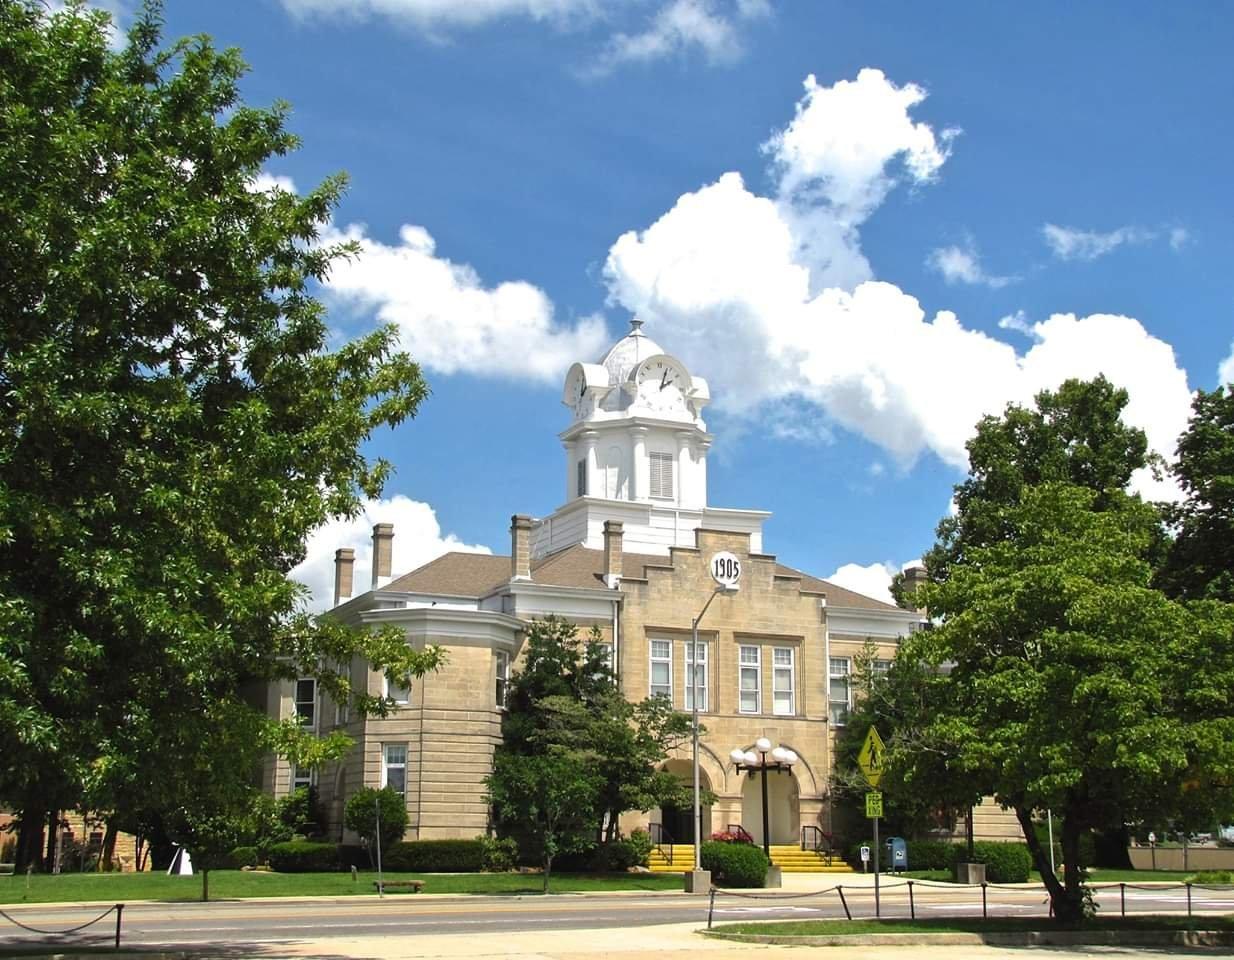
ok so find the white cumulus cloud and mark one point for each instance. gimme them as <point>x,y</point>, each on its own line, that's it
<point>417,540</point>
<point>772,297</point>
<point>872,580</point>
<point>1225,372</point>
<point>449,320</point>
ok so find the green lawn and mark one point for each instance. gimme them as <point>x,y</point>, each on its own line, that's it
<point>236,884</point>
<point>832,928</point>
<point>1094,876</point>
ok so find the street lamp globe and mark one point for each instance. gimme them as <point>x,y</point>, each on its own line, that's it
<point>762,744</point>
<point>738,755</point>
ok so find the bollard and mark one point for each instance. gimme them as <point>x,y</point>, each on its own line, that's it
<point>1188,900</point>
<point>711,907</point>
<point>1122,899</point>
<point>119,912</point>
<point>912,909</point>
<point>984,914</point>
<point>843,902</point>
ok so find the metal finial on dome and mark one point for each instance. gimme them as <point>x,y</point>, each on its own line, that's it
<point>635,324</point>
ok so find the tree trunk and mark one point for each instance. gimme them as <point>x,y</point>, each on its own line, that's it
<point>548,869</point>
<point>1073,871</point>
<point>205,886</point>
<point>29,839</point>
<point>1067,911</point>
<point>108,854</point>
<point>53,836</point>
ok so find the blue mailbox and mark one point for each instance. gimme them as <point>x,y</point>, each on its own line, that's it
<point>897,853</point>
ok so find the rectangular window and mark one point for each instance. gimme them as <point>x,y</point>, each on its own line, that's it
<point>582,478</point>
<point>394,766</point>
<point>502,660</point>
<point>783,704</point>
<point>838,692</point>
<point>400,693</point>
<point>306,702</point>
<point>661,669</point>
<point>700,674</point>
<point>880,668</point>
<point>750,682</point>
<point>342,711</point>
<point>301,777</point>
<point>661,475</point>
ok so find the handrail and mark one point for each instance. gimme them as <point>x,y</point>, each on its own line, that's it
<point>661,839</point>
<point>816,842</point>
<point>740,832</point>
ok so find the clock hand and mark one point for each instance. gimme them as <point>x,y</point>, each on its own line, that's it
<point>664,380</point>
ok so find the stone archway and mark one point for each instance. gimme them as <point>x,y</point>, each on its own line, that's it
<point>783,806</point>
<point>677,821</point>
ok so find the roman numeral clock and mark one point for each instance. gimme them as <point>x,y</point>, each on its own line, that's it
<point>661,384</point>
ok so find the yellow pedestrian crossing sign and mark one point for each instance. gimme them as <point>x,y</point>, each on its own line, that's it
<point>872,758</point>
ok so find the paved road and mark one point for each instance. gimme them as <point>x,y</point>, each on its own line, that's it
<point>237,923</point>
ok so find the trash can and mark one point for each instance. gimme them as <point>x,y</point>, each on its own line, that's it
<point>897,854</point>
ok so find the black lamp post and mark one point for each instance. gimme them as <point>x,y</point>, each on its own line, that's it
<point>781,759</point>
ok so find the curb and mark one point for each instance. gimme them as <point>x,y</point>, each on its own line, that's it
<point>1028,938</point>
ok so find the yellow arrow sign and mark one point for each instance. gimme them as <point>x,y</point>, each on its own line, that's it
<point>872,757</point>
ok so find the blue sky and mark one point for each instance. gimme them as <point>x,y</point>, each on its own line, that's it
<point>967,203</point>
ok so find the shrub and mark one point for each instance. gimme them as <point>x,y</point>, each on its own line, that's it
<point>304,856</point>
<point>735,864</point>
<point>1212,876</point>
<point>360,815</point>
<point>640,840</point>
<point>242,857</point>
<point>300,812</point>
<point>500,854</point>
<point>732,836</point>
<point>1004,862</point>
<point>8,850</point>
<point>616,856</point>
<point>931,855</point>
<point>435,856</point>
<point>353,855</point>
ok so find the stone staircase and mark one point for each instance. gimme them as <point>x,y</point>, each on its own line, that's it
<point>788,857</point>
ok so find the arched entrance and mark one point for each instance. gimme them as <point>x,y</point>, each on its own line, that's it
<point>677,820</point>
<point>782,806</point>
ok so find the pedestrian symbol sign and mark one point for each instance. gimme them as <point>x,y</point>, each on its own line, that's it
<point>872,758</point>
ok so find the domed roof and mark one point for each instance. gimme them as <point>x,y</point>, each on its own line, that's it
<point>628,352</point>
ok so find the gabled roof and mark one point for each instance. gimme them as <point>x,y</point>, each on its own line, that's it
<point>476,575</point>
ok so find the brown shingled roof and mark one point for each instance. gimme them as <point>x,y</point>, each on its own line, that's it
<point>478,574</point>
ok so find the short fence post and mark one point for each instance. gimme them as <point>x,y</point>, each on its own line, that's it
<point>1122,898</point>
<point>912,909</point>
<point>119,912</point>
<point>711,907</point>
<point>1188,900</point>
<point>843,902</point>
<point>984,914</point>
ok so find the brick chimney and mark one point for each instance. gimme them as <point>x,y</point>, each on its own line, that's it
<point>915,577</point>
<point>612,553</point>
<point>344,570</point>
<point>520,547</point>
<point>383,552</point>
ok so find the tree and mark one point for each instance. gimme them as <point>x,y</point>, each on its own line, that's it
<point>172,423</point>
<point>1200,561</point>
<point>1070,683</point>
<point>551,796</point>
<point>362,812</point>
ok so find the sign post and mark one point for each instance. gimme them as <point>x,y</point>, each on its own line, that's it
<point>870,761</point>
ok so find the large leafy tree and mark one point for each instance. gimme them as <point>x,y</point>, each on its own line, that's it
<point>1200,562</point>
<point>1062,679</point>
<point>172,422</point>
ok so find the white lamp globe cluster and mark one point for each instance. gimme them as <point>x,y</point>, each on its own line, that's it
<point>749,758</point>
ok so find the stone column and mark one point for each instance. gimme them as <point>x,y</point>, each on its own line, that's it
<point>588,439</point>
<point>685,475</point>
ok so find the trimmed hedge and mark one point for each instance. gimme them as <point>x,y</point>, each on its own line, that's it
<point>735,864</point>
<point>435,856</point>
<point>304,856</point>
<point>1005,862</point>
<point>242,857</point>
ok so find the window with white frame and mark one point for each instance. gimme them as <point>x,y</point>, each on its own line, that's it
<point>394,767</point>
<point>750,686</point>
<point>502,661</point>
<point>661,475</point>
<point>306,702</point>
<point>302,778</point>
<point>839,691</point>
<point>783,702</point>
<point>400,693</point>
<point>342,709</point>
<point>880,668</point>
<point>661,672</point>
<point>699,674</point>
<point>581,478</point>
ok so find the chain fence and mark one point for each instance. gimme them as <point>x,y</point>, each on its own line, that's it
<point>118,910</point>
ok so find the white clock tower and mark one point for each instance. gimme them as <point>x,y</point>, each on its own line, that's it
<point>637,453</point>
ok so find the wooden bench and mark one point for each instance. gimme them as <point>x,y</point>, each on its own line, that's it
<point>413,885</point>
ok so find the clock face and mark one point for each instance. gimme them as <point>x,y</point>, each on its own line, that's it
<point>662,385</point>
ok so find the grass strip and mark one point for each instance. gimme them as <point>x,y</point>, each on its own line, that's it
<point>834,928</point>
<point>238,885</point>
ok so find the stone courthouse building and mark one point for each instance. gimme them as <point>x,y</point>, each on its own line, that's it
<point>628,552</point>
